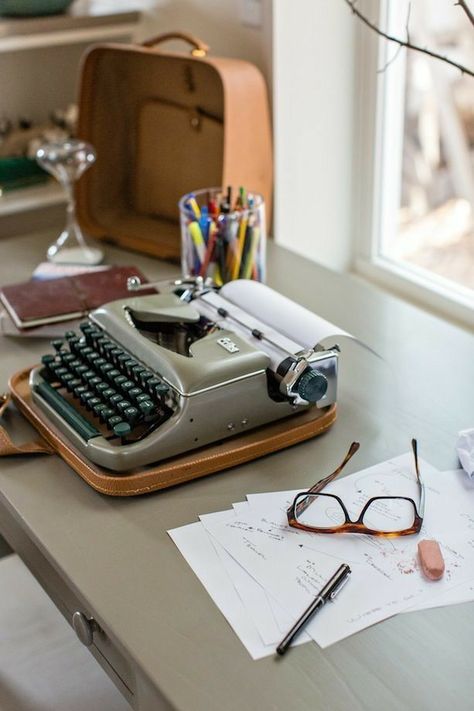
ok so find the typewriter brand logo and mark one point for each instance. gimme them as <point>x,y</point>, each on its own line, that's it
<point>228,345</point>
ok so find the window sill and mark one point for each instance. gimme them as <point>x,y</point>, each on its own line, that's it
<point>417,286</point>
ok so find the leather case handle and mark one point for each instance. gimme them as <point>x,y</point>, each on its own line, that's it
<point>199,48</point>
<point>8,448</point>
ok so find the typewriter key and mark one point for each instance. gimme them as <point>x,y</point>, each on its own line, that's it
<point>121,429</point>
<point>137,370</point>
<point>123,405</point>
<point>161,389</point>
<point>86,396</point>
<point>114,420</point>
<point>106,368</point>
<point>143,397</point>
<point>144,377</point>
<point>106,414</point>
<point>57,344</point>
<point>98,409</point>
<point>129,364</point>
<point>146,407</point>
<point>67,379</point>
<point>122,359</point>
<point>92,402</point>
<point>131,414</point>
<point>47,360</point>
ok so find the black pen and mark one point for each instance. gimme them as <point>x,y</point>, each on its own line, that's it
<point>328,592</point>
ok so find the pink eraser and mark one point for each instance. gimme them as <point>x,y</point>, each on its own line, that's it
<point>431,559</point>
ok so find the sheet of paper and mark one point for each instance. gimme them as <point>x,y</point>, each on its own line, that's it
<point>285,316</point>
<point>269,618</point>
<point>252,595</point>
<point>195,546</point>
<point>454,509</point>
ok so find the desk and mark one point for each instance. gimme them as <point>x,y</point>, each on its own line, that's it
<point>168,641</point>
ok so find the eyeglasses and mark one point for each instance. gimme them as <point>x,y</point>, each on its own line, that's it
<point>388,516</point>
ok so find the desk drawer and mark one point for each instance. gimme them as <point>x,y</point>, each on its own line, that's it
<point>68,603</point>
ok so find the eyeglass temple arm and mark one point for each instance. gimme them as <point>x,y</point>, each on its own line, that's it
<point>324,482</point>
<point>414,446</point>
<point>304,503</point>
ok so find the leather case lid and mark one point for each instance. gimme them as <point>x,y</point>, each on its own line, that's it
<point>181,142</point>
<point>215,458</point>
<point>129,195</point>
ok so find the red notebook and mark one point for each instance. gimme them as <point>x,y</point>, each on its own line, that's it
<point>34,303</point>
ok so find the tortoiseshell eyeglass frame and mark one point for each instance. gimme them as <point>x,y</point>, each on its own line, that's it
<point>302,501</point>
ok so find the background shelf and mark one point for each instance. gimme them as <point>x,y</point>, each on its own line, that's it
<point>84,22</point>
<point>39,196</point>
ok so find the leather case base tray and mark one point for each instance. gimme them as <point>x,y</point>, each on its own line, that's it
<point>191,465</point>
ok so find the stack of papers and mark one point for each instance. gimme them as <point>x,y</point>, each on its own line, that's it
<point>262,574</point>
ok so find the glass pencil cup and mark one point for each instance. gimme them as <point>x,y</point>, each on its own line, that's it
<point>223,235</point>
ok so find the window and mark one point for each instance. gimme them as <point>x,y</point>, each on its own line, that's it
<point>418,236</point>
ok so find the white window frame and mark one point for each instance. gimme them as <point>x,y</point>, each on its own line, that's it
<point>380,116</point>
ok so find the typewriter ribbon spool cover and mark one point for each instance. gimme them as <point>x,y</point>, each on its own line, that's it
<point>157,390</point>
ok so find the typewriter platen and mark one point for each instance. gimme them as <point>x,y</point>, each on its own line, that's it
<point>150,377</point>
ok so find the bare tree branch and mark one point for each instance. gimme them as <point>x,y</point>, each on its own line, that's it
<point>463,4</point>
<point>408,44</point>
<point>400,47</point>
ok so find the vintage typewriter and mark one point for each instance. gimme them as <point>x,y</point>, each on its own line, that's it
<point>150,377</point>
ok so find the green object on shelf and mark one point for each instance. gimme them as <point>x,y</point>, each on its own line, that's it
<point>32,8</point>
<point>20,172</point>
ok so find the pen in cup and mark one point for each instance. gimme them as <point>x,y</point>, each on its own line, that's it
<point>328,592</point>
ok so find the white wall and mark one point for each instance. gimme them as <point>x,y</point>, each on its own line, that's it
<point>313,78</point>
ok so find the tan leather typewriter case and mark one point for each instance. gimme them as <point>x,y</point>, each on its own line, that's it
<point>164,124</point>
<point>190,465</point>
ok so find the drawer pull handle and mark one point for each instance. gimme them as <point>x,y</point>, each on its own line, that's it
<point>84,628</point>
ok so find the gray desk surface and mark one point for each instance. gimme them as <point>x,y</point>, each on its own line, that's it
<point>118,555</point>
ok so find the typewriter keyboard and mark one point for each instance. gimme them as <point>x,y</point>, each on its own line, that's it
<point>100,389</point>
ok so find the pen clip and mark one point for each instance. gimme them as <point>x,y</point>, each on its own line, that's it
<point>339,586</point>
